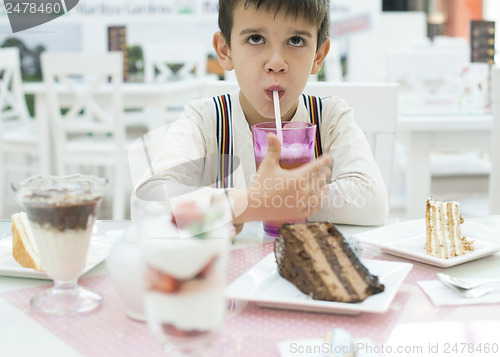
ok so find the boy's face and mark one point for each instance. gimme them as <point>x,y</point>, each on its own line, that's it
<point>271,53</point>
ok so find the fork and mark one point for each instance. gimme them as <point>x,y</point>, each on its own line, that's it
<point>468,283</point>
<point>469,289</point>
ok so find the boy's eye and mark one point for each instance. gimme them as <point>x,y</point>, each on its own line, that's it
<point>255,39</point>
<point>296,41</point>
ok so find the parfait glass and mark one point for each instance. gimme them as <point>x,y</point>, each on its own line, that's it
<point>185,251</point>
<point>62,211</point>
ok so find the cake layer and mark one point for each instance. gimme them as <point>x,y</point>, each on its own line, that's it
<point>316,259</point>
<point>443,235</point>
<point>23,246</point>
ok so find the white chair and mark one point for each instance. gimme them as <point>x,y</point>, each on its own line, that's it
<point>174,62</point>
<point>429,77</point>
<point>167,62</point>
<point>215,88</point>
<point>375,107</point>
<point>21,137</point>
<point>494,187</point>
<point>87,130</point>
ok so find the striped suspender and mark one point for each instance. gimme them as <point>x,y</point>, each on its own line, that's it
<point>223,111</point>
<point>314,106</point>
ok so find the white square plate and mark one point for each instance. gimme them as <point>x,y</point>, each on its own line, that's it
<point>99,249</point>
<point>262,284</point>
<point>407,240</point>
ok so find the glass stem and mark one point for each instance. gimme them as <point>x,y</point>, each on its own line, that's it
<point>65,285</point>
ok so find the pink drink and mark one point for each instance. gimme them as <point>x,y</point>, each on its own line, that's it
<point>297,149</point>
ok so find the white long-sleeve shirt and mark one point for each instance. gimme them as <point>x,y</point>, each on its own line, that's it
<point>356,194</point>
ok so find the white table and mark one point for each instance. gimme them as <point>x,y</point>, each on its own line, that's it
<point>411,320</point>
<point>155,96</point>
<point>21,335</point>
<point>423,133</point>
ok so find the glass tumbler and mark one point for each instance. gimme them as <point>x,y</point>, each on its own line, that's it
<point>296,150</point>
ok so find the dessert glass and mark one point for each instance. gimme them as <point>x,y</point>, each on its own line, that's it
<point>297,149</point>
<point>62,211</point>
<point>185,267</point>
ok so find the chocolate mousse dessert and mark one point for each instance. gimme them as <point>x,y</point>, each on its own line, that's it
<point>62,220</point>
<point>60,208</point>
<point>317,260</point>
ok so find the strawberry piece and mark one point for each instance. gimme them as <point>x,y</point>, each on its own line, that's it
<point>187,213</point>
<point>173,331</point>
<point>161,282</point>
<point>206,269</point>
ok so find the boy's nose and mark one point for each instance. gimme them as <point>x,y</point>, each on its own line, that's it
<point>276,63</point>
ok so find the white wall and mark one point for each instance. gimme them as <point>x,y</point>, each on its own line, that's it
<point>193,21</point>
<point>365,59</point>
<point>146,21</point>
<point>403,28</point>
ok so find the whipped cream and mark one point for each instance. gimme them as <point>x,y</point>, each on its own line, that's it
<point>63,253</point>
<point>202,310</point>
<point>183,258</point>
<point>199,304</point>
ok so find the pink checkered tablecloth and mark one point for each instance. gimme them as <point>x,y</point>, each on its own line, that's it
<point>248,330</point>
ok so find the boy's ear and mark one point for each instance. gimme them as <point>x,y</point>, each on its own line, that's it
<point>223,51</point>
<point>320,56</point>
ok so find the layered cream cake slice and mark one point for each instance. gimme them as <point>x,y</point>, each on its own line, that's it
<point>444,238</point>
<point>317,260</point>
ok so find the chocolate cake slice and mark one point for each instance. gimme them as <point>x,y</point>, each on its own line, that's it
<point>317,260</point>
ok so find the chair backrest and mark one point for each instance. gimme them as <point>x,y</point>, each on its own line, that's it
<point>214,88</point>
<point>12,102</point>
<point>75,86</point>
<point>428,76</point>
<point>375,108</point>
<point>494,187</point>
<point>164,62</point>
<point>375,111</point>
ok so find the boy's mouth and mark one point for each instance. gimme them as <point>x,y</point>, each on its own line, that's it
<point>270,90</point>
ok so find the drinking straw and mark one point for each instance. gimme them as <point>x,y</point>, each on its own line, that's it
<point>277,115</point>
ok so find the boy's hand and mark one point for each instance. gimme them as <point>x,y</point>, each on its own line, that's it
<point>277,194</point>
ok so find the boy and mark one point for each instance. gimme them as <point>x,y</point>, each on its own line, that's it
<point>275,46</point>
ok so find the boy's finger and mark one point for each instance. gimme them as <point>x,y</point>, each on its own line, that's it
<point>316,166</point>
<point>315,172</point>
<point>326,160</point>
<point>315,201</point>
<point>273,148</point>
<point>323,178</point>
<point>317,187</point>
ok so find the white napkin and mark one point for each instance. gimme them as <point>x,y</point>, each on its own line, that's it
<point>318,348</point>
<point>440,295</point>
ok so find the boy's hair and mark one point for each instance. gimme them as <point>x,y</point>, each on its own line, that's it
<point>314,11</point>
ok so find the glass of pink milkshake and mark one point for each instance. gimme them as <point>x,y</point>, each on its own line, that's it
<point>297,149</point>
